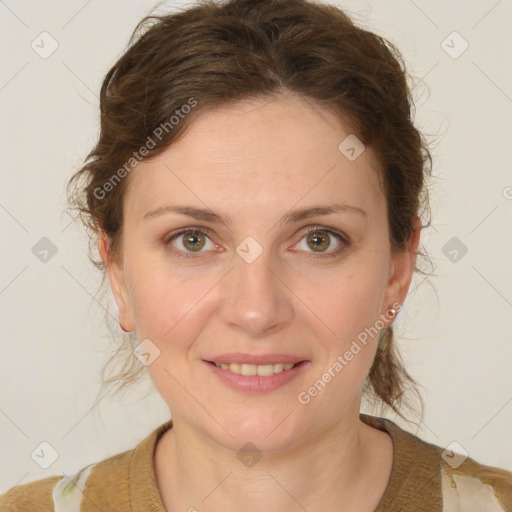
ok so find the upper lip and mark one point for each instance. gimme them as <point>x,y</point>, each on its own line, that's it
<point>238,357</point>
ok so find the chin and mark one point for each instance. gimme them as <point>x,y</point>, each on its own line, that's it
<point>270,432</point>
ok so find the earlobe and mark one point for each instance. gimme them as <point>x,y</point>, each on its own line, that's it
<point>117,284</point>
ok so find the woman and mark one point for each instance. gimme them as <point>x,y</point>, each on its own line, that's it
<point>256,194</point>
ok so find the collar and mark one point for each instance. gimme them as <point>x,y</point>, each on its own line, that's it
<point>415,482</point>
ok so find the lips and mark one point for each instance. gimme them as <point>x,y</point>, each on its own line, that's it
<point>251,383</point>
<point>241,358</point>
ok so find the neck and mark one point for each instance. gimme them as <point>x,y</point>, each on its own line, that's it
<point>348,465</point>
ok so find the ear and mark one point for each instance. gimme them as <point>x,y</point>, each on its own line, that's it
<point>402,270</point>
<point>117,283</point>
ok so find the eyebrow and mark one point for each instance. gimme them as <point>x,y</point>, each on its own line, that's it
<point>288,218</point>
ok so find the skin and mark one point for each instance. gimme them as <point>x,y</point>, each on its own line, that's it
<point>254,162</point>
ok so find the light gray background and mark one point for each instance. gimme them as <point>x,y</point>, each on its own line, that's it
<point>457,326</point>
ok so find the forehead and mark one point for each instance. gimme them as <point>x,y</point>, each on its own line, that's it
<point>269,153</point>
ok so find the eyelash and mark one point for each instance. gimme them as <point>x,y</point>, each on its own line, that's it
<point>332,254</point>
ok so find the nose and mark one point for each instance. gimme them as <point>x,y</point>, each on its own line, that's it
<point>256,299</point>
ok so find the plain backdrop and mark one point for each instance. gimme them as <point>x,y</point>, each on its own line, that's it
<point>456,326</point>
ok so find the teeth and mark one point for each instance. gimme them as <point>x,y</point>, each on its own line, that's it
<point>263,370</point>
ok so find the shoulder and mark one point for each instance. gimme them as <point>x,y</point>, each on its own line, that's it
<point>429,477</point>
<point>109,484</point>
<point>43,495</point>
<point>29,497</point>
<point>465,483</point>
<point>471,484</point>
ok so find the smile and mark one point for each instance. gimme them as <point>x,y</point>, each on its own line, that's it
<point>256,378</point>
<point>263,370</point>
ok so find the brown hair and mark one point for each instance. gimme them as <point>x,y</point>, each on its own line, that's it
<point>184,63</point>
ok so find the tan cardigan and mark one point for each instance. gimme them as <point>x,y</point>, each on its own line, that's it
<point>421,481</point>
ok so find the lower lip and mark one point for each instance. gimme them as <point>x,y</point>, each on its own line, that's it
<point>255,383</point>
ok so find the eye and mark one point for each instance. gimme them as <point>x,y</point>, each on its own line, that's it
<point>320,239</point>
<point>193,242</point>
<point>197,238</point>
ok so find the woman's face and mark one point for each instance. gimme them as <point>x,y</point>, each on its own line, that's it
<point>257,283</point>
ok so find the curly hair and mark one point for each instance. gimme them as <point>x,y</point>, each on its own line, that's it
<point>219,52</point>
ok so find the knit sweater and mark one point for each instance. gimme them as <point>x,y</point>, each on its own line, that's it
<point>424,478</point>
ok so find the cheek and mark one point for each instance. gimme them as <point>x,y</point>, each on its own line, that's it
<point>350,307</point>
<point>163,306</point>
<point>160,296</point>
<point>173,312</point>
<point>170,313</point>
<point>347,301</point>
